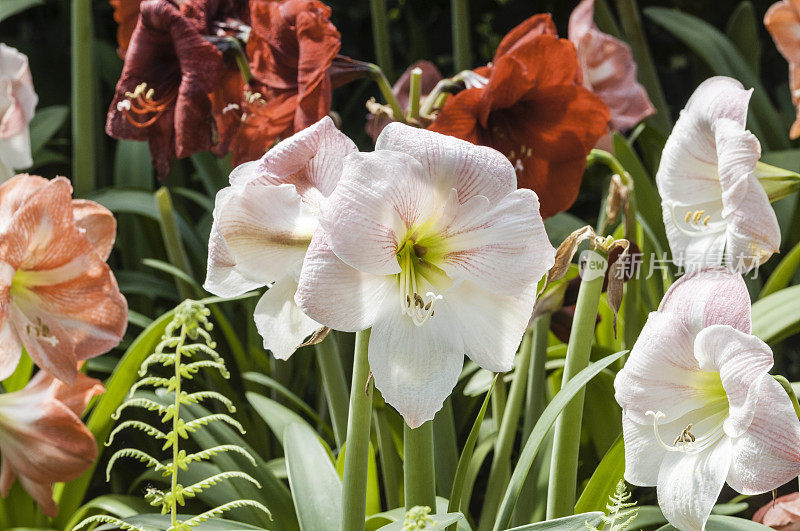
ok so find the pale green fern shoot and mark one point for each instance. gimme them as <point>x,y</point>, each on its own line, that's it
<point>621,512</point>
<point>186,338</point>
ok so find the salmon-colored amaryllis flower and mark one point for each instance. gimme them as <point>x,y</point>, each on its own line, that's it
<point>58,297</point>
<point>162,95</point>
<point>715,210</point>
<point>428,241</point>
<point>783,23</point>
<point>17,104</point>
<point>42,438</point>
<point>782,514</point>
<point>126,14</point>
<point>608,69</point>
<point>699,407</point>
<point>535,111</point>
<point>263,224</point>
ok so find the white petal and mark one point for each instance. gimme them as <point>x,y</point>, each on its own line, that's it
<point>643,455</point>
<point>711,296</point>
<point>222,277</point>
<point>453,163</point>
<point>245,173</point>
<point>266,229</point>
<point>694,247</point>
<point>504,249</point>
<point>741,360</point>
<point>491,325</point>
<point>280,322</point>
<point>753,232</point>
<point>336,295</point>
<point>689,484</point>
<point>10,346</point>
<point>415,367</point>
<point>381,194</point>
<point>16,150</point>
<point>768,454</point>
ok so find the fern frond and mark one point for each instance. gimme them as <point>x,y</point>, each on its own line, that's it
<point>154,381</point>
<point>145,403</point>
<point>196,398</point>
<point>139,425</point>
<point>188,370</point>
<point>106,519</point>
<point>200,486</point>
<point>191,426</point>
<point>211,452</point>
<point>156,358</point>
<point>620,511</point>
<point>200,347</point>
<point>133,453</point>
<point>218,511</point>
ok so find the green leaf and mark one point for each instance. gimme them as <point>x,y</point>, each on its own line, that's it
<point>568,523</point>
<point>783,273</point>
<point>648,516</point>
<point>439,521</point>
<point>162,521</point>
<point>46,123</point>
<point>539,432</point>
<point>777,316</point>
<point>119,505</point>
<point>742,30</point>
<point>724,59</point>
<point>12,7</point>
<point>604,480</point>
<point>725,523</point>
<point>316,488</point>
<point>132,166</point>
<point>277,416</point>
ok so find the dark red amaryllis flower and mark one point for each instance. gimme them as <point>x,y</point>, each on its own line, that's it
<point>534,110</point>
<point>292,47</point>
<point>162,95</point>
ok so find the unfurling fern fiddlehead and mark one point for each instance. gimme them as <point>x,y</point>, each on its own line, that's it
<point>185,339</point>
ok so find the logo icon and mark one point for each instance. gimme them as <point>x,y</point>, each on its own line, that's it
<point>592,265</point>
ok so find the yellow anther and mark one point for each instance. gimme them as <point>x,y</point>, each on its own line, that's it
<point>705,220</point>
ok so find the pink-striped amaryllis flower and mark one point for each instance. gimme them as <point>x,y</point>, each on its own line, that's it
<point>699,408</point>
<point>608,69</point>
<point>715,210</point>
<point>58,297</point>
<point>42,438</point>
<point>17,104</point>
<point>263,224</point>
<point>428,241</point>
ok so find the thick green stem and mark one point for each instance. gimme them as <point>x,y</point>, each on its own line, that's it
<point>414,92</point>
<point>567,434</point>
<point>83,85</point>
<point>334,385</point>
<point>176,253</point>
<point>356,454</point>
<point>386,90</point>
<point>390,460</point>
<point>418,466</point>
<point>380,35</point>
<point>501,463</point>
<point>459,12</point>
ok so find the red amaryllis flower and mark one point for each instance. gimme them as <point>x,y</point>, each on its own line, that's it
<point>783,513</point>
<point>292,46</point>
<point>58,297</point>
<point>162,95</point>
<point>535,111</point>
<point>42,438</point>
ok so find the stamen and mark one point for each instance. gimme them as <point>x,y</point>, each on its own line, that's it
<point>686,442</point>
<point>140,103</point>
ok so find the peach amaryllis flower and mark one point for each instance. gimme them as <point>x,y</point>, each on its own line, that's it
<point>17,104</point>
<point>715,210</point>
<point>58,297</point>
<point>534,110</point>
<point>428,241</point>
<point>608,69</point>
<point>782,20</point>
<point>699,407</point>
<point>42,438</point>
<point>263,224</point>
<point>782,514</point>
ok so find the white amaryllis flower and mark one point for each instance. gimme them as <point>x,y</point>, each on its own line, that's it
<point>17,104</point>
<point>427,241</point>
<point>263,223</point>
<point>713,205</point>
<point>699,407</point>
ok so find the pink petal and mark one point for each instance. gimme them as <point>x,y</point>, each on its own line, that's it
<point>453,163</point>
<point>380,197</point>
<point>14,192</point>
<point>98,225</point>
<point>708,297</point>
<point>768,454</point>
<point>16,75</point>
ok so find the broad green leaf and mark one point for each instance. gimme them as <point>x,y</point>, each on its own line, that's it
<point>724,59</point>
<point>46,123</point>
<point>132,166</point>
<point>543,425</point>
<point>568,523</point>
<point>119,505</point>
<point>148,285</point>
<point>782,274</point>
<point>398,514</point>
<point>12,7</point>
<point>316,488</point>
<point>266,381</point>
<point>438,521</point>
<point>742,30</point>
<point>725,523</point>
<point>777,316</point>
<point>648,516</point>
<point>277,416</point>
<point>604,480</point>
<point>562,225</point>
<point>162,521</point>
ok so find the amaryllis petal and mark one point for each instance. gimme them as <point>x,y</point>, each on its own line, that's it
<point>527,30</point>
<point>415,368</point>
<point>689,484</point>
<point>14,193</point>
<point>782,20</point>
<point>643,455</point>
<point>280,322</point>
<point>753,234</point>
<point>10,346</point>
<point>98,225</point>
<point>366,215</point>
<point>482,171</point>
<point>18,98</point>
<point>708,297</point>
<point>126,14</point>
<point>768,454</point>
<point>222,277</point>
